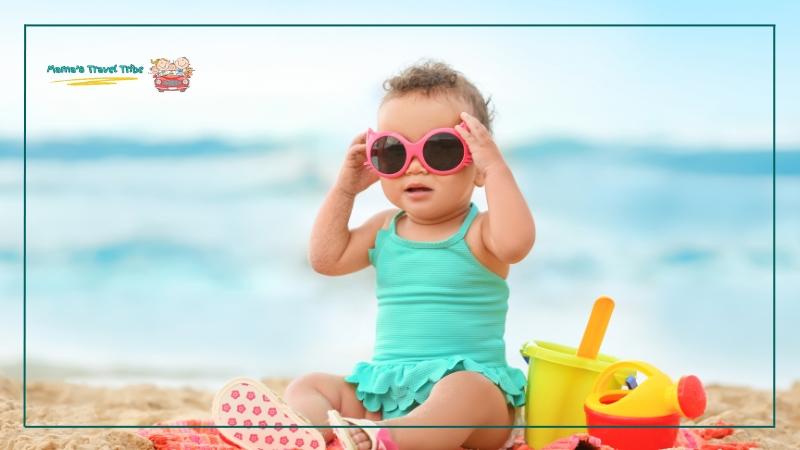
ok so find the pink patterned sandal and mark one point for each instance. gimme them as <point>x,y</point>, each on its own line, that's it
<point>244,401</point>
<point>381,440</point>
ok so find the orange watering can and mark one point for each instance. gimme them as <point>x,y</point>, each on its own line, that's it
<point>655,402</point>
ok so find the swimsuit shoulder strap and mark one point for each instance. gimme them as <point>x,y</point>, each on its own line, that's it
<point>394,220</point>
<point>473,211</point>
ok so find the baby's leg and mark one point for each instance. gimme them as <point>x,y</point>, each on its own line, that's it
<point>313,395</point>
<point>461,398</point>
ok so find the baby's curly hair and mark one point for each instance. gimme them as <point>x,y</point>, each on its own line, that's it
<point>430,77</point>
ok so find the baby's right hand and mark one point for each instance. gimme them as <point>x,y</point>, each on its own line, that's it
<point>355,177</point>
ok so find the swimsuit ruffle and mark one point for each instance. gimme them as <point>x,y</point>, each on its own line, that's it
<point>396,387</point>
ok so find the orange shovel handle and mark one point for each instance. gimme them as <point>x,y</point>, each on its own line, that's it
<point>596,328</point>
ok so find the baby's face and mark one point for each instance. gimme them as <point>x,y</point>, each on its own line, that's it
<point>413,116</point>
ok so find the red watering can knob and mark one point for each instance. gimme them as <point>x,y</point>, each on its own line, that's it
<point>691,396</point>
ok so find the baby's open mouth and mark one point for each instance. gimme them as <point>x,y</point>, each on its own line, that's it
<point>418,189</point>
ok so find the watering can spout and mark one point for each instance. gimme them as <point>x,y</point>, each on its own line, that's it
<point>688,397</point>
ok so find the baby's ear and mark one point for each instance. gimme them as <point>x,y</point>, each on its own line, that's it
<point>480,180</point>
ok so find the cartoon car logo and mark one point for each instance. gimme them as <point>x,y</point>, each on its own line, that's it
<point>171,82</point>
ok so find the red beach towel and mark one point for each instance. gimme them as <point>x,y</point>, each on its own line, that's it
<point>193,438</point>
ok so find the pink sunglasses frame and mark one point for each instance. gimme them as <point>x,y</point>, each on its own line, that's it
<point>415,149</point>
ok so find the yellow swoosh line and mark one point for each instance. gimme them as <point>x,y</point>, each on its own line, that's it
<point>94,81</point>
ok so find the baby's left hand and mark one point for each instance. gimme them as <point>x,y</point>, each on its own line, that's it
<point>485,153</point>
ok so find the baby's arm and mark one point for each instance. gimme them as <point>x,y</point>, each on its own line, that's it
<point>507,230</point>
<point>334,249</point>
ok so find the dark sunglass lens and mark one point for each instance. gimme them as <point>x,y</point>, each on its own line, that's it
<point>443,151</point>
<point>388,155</point>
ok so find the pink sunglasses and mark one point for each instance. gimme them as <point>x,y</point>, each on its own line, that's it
<point>442,152</point>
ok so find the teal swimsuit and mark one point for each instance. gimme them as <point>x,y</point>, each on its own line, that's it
<point>439,311</point>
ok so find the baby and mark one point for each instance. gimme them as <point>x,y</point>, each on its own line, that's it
<point>439,355</point>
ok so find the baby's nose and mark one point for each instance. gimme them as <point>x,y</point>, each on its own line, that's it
<point>416,166</point>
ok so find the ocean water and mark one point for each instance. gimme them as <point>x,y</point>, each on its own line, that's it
<point>186,267</point>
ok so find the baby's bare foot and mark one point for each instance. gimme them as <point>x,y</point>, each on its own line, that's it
<point>361,439</point>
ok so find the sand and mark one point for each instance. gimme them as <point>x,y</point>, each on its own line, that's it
<point>60,403</point>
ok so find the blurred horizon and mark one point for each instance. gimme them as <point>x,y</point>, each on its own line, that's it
<point>100,147</point>
<point>138,238</point>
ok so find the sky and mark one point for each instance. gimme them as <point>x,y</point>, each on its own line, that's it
<point>625,71</point>
<point>539,78</point>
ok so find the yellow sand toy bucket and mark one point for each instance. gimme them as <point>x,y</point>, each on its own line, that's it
<point>560,378</point>
<point>558,384</point>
